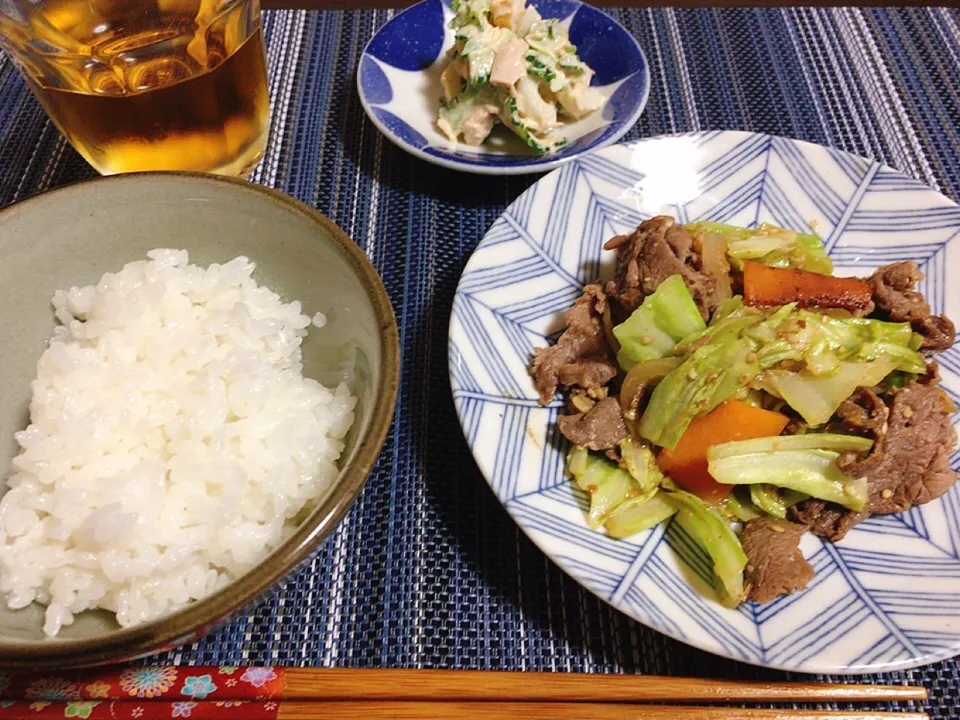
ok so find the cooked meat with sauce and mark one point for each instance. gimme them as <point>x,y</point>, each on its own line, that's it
<point>863,411</point>
<point>908,465</point>
<point>775,565</point>
<point>826,519</point>
<point>897,299</point>
<point>599,428</point>
<point>910,461</point>
<point>581,353</point>
<point>657,249</point>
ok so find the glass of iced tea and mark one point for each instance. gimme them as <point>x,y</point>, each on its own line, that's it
<point>147,84</point>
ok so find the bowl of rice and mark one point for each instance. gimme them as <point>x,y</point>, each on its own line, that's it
<point>197,376</point>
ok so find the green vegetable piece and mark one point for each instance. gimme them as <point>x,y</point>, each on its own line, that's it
<point>639,514</point>
<point>740,507</point>
<point>907,359</point>
<point>623,500</point>
<point>712,532</point>
<point>866,339</point>
<point>767,498</point>
<point>713,373</point>
<point>664,318</point>
<point>771,245</point>
<point>817,398</point>
<point>607,484</point>
<point>642,465</point>
<point>728,323</point>
<point>810,441</point>
<point>741,342</point>
<point>792,497</point>
<point>510,116</point>
<point>571,64</point>
<point>542,68</point>
<point>480,59</point>
<point>577,460</point>
<point>471,13</point>
<point>897,379</point>
<point>455,110</point>
<point>812,472</point>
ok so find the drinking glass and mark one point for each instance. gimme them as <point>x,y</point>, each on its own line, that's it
<point>147,84</point>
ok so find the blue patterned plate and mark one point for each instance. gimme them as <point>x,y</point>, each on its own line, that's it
<point>399,83</point>
<point>885,598</point>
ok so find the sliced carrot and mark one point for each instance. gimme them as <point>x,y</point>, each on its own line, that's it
<point>765,286</point>
<point>733,420</point>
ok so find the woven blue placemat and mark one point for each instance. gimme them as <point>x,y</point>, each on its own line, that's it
<point>428,570</point>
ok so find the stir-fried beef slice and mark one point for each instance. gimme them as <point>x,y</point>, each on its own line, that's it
<point>825,519</point>
<point>600,428</point>
<point>910,460</point>
<point>657,249</point>
<point>581,353</point>
<point>775,565</point>
<point>894,291</point>
<point>863,411</point>
<point>897,299</point>
<point>932,375</point>
<point>588,373</point>
<point>939,332</point>
<point>909,463</point>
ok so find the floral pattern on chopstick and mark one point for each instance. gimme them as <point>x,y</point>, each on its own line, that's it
<point>139,710</point>
<point>185,686</point>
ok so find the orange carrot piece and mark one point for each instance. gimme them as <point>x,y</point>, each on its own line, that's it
<point>732,420</point>
<point>764,286</point>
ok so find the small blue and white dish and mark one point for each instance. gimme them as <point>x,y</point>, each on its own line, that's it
<point>887,597</point>
<point>399,83</point>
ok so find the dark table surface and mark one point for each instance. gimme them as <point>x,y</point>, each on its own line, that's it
<point>428,570</point>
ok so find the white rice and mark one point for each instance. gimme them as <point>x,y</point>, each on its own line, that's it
<point>173,440</point>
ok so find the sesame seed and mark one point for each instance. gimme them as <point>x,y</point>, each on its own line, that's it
<point>907,411</point>
<point>646,340</point>
<point>691,374</point>
<point>591,489</point>
<point>887,494</point>
<point>776,528</point>
<point>712,377</point>
<point>744,378</point>
<point>630,414</point>
<point>581,403</point>
<point>751,357</point>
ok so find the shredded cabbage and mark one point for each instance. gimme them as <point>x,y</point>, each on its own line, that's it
<point>817,398</point>
<point>835,355</point>
<point>770,245</point>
